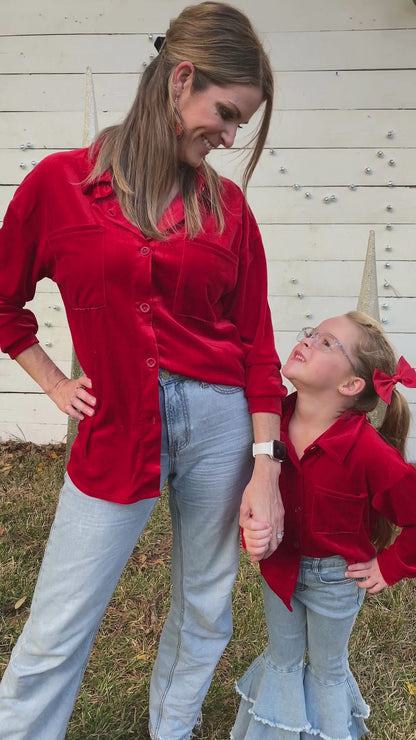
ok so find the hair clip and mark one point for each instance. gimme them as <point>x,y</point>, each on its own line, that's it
<point>384,384</point>
<point>159,43</point>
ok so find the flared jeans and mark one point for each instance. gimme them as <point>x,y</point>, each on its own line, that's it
<point>284,698</point>
<point>206,458</point>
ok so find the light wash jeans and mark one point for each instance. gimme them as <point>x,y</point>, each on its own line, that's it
<point>284,699</point>
<point>206,457</point>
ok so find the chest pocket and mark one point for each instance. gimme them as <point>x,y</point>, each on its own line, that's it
<point>207,273</point>
<point>335,512</point>
<point>80,266</point>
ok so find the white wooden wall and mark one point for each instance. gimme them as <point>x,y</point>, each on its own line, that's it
<point>340,158</point>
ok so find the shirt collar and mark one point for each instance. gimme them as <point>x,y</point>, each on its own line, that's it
<point>102,187</point>
<point>341,436</point>
<point>175,213</point>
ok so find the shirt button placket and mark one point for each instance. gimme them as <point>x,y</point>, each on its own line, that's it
<point>144,307</point>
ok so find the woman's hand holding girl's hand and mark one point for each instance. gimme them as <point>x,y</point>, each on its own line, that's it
<point>367,575</point>
<point>262,504</point>
<point>72,397</point>
<point>257,536</point>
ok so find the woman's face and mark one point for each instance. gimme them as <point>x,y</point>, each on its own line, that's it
<point>211,117</point>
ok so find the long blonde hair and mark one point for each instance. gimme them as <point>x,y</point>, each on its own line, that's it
<point>375,351</point>
<point>141,152</point>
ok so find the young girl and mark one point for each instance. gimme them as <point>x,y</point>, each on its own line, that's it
<point>343,485</point>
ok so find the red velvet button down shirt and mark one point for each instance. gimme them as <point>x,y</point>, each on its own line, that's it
<point>333,497</point>
<point>195,307</point>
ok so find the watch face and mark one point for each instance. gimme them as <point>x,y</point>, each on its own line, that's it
<point>279,450</point>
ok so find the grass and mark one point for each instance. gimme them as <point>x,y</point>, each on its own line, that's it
<point>112,704</point>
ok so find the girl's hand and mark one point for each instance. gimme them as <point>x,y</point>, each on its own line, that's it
<point>257,536</point>
<point>367,575</point>
<point>71,396</point>
<point>262,503</point>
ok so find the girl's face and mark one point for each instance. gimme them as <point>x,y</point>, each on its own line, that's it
<point>211,117</point>
<point>324,360</point>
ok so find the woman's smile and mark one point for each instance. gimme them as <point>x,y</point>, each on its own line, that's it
<point>210,117</point>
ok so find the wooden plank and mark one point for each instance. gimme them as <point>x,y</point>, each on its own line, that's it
<point>404,344</point>
<point>325,129</point>
<point>341,128</point>
<point>46,285</point>
<point>363,205</point>
<point>53,54</point>
<point>129,52</point>
<point>294,91</point>
<point>336,241</point>
<point>333,278</point>
<point>33,417</point>
<point>328,167</point>
<point>49,92</point>
<point>289,206</point>
<point>6,194</point>
<point>308,167</point>
<point>35,432</point>
<point>53,333</point>
<point>314,278</point>
<point>321,129</point>
<point>307,305</point>
<point>34,407</point>
<point>47,130</point>
<point>291,312</point>
<point>56,342</point>
<point>105,16</point>
<point>15,380</point>
<point>286,340</point>
<point>411,450</point>
<point>346,90</point>
<point>342,50</point>
<point>37,427</point>
<point>48,307</point>
<point>16,164</point>
<point>396,279</point>
<point>299,280</point>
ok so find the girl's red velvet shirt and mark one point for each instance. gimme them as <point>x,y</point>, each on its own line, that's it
<point>194,307</point>
<point>333,497</point>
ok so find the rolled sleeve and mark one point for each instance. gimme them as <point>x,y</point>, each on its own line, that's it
<point>251,314</point>
<point>20,269</point>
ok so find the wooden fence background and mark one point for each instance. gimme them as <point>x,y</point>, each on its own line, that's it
<point>340,158</point>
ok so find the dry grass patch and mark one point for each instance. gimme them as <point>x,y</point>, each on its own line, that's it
<point>112,704</point>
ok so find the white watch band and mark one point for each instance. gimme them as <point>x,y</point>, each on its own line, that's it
<point>263,448</point>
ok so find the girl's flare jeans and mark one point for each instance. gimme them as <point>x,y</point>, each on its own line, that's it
<point>206,458</point>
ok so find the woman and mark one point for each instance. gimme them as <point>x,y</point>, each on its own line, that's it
<point>162,272</point>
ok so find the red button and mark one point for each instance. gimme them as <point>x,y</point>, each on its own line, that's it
<point>145,251</point>
<point>150,362</point>
<point>144,307</point>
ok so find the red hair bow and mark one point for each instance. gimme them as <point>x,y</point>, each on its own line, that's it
<point>384,384</point>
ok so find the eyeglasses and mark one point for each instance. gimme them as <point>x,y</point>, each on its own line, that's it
<point>324,341</point>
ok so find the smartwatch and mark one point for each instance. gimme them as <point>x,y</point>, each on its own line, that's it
<point>275,449</point>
